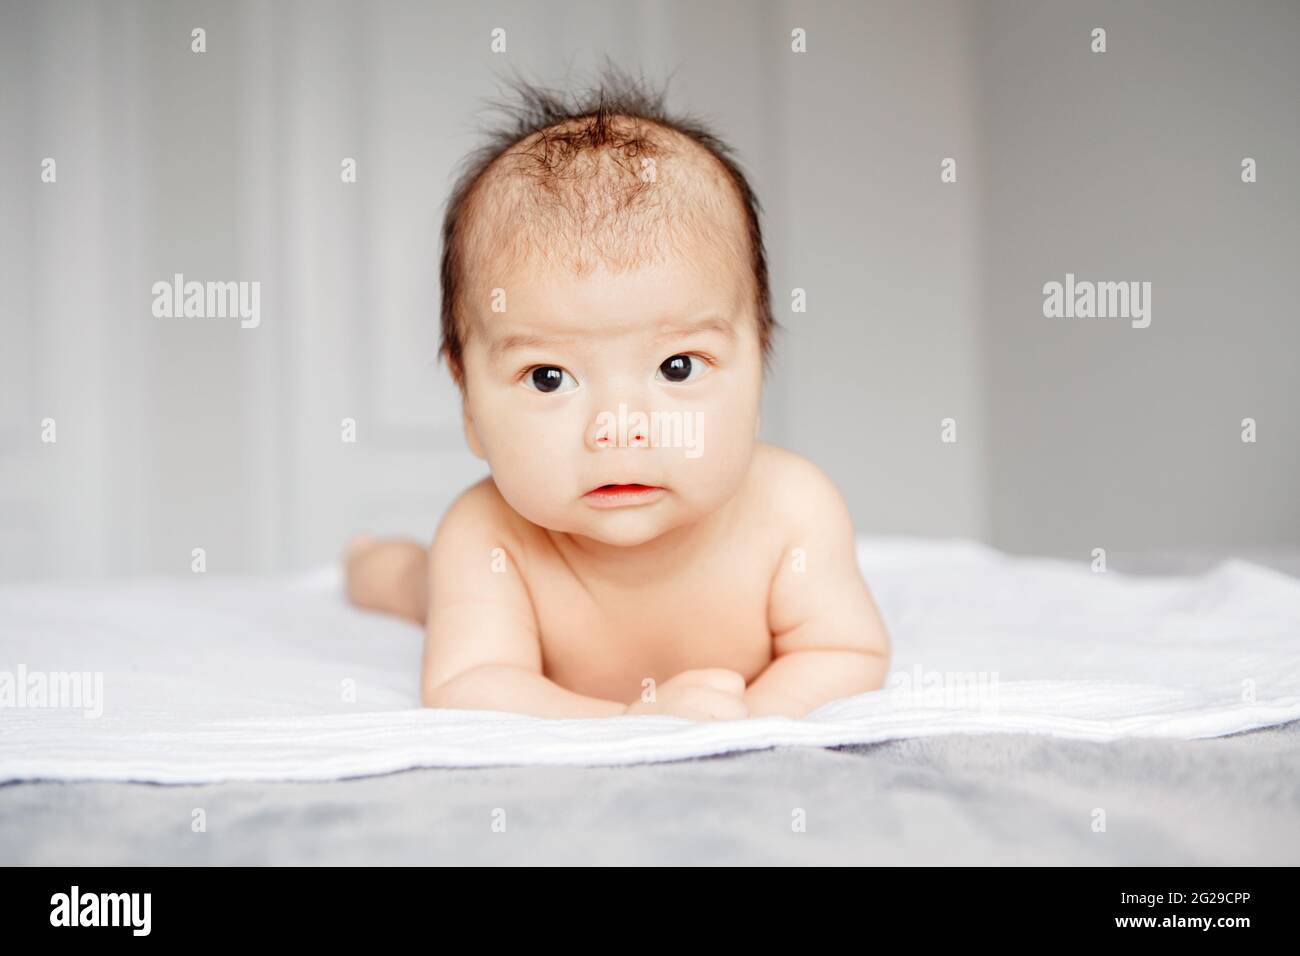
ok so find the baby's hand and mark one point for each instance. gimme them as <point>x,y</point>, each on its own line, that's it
<point>708,693</point>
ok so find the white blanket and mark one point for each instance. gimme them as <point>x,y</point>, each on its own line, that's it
<point>209,679</point>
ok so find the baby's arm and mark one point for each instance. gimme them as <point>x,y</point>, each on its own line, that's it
<point>482,649</point>
<point>828,640</point>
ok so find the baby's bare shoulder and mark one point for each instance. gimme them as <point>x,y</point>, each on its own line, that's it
<point>479,514</point>
<point>794,490</point>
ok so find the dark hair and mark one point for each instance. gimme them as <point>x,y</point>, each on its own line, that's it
<point>568,127</point>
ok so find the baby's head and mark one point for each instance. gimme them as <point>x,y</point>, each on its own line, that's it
<point>605,313</point>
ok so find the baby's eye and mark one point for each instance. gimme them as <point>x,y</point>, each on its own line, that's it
<point>681,368</point>
<point>549,378</point>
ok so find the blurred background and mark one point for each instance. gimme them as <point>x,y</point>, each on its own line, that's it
<point>924,299</point>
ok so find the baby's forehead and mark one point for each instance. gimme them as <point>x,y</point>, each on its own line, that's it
<point>540,302</point>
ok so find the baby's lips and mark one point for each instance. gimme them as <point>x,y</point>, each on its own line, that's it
<point>623,484</point>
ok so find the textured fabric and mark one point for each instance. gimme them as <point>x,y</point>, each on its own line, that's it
<point>1019,799</point>
<point>209,679</point>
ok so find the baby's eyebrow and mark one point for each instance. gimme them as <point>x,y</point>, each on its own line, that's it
<point>520,341</point>
<point>524,340</point>
<point>711,324</point>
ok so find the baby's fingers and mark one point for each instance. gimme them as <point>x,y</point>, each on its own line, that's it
<point>707,703</point>
<point>716,678</point>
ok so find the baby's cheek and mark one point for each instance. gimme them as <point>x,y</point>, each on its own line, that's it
<point>533,498</point>
<point>533,466</point>
<point>514,433</point>
<point>709,474</point>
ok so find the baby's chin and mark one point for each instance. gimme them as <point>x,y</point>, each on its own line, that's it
<point>622,530</point>
<point>626,527</point>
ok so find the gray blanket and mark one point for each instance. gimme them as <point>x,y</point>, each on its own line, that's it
<point>1005,799</point>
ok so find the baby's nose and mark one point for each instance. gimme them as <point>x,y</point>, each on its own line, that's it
<point>621,426</point>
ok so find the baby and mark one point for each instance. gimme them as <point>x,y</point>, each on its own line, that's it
<point>636,549</point>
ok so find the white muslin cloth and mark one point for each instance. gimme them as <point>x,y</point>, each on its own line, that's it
<point>208,679</point>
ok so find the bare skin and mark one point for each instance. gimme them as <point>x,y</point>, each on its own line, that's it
<point>727,629</point>
<point>732,590</point>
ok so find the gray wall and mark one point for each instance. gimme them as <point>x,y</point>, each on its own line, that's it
<point>924,299</point>
<point>1126,165</point>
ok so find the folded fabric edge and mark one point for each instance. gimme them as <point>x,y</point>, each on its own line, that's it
<point>371,765</point>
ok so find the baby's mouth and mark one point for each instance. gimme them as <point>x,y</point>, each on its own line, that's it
<point>630,493</point>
